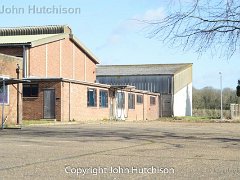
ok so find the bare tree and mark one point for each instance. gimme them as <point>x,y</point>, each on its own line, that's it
<point>200,25</point>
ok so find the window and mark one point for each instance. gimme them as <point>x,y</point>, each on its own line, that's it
<point>30,90</point>
<point>91,97</point>
<point>152,100</point>
<point>4,95</point>
<point>139,99</point>
<point>131,101</point>
<point>103,98</point>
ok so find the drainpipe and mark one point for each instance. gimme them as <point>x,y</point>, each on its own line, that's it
<point>3,104</point>
<point>143,108</point>
<point>17,71</point>
<point>173,93</point>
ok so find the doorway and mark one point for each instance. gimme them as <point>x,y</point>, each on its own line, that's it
<point>49,104</point>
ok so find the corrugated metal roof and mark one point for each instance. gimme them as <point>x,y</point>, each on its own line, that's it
<point>34,30</point>
<point>143,69</point>
<point>38,35</point>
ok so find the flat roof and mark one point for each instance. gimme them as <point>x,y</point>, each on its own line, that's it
<point>12,81</point>
<point>127,87</point>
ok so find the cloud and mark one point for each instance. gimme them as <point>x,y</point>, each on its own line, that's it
<point>112,39</point>
<point>137,22</point>
<point>153,14</point>
<point>132,24</point>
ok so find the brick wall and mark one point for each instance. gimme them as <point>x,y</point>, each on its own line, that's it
<point>143,111</point>
<point>33,106</point>
<point>61,59</point>
<point>79,110</point>
<point>79,65</point>
<point>137,112</point>
<point>67,59</point>
<point>53,69</point>
<point>91,70</point>
<point>37,61</point>
<point>152,111</point>
<point>71,104</point>
<point>8,66</point>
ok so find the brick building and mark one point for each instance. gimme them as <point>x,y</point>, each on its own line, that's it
<point>8,97</point>
<point>62,72</point>
<point>172,81</point>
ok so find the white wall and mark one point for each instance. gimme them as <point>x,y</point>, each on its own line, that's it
<point>182,105</point>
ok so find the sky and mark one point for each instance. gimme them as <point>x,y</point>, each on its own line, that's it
<point>110,31</point>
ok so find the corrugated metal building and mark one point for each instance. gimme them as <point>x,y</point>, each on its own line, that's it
<point>172,81</point>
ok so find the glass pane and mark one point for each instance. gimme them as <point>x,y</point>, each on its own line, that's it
<point>92,97</point>
<point>4,97</point>
<point>34,90</point>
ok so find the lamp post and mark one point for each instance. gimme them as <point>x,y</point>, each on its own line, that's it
<point>221,95</point>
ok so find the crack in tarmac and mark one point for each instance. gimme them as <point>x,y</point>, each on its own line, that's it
<point>76,156</point>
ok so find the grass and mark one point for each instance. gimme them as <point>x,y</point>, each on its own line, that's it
<point>198,119</point>
<point>32,122</point>
<point>191,119</point>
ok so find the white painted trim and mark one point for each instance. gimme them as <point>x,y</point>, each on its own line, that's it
<point>24,63</point>
<point>85,68</point>
<point>46,60</point>
<point>27,61</point>
<point>73,64</point>
<point>60,58</point>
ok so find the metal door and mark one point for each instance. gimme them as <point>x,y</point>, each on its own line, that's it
<point>166,105</point>
<point>120,105</point>
<point>49,104</point>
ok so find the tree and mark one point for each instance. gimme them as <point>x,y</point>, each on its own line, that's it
<point>201,25</point>
<point>209,98</point>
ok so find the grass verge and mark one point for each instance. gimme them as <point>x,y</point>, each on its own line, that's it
<point>197,119</point>
<point>33,122</point>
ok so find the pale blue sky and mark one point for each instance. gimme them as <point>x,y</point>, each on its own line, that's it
<point>107,29</point>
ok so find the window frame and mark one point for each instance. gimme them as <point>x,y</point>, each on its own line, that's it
<point>139,97</point>
<point>131,101</point>
<point>31,94</point>
<point>152,101</point>
<point>94,90</point>
<point>101,92</point>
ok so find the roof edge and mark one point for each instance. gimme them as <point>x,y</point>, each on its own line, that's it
<point>35,30</point>
<point>48,40</point>
<point>126,65</point>
<point>128,88</point>
<point>84,48</point>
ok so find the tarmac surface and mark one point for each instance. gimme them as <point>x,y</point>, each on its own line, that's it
<point>122,150</point>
